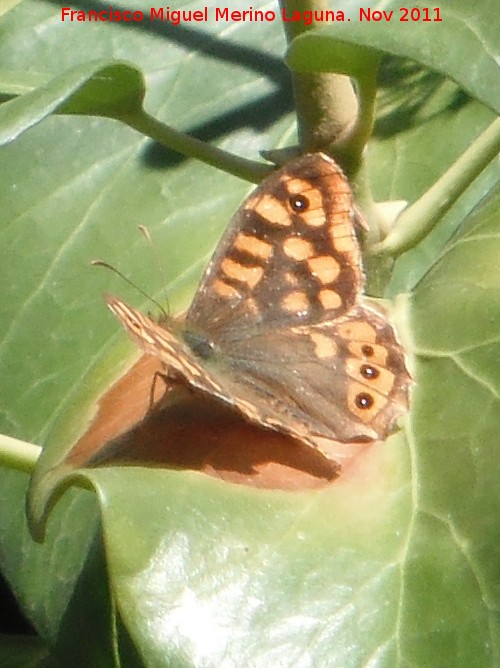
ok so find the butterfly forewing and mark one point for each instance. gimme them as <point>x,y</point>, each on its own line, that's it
<point>290,255</point>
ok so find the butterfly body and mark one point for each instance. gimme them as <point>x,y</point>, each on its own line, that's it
<point>278,327</point>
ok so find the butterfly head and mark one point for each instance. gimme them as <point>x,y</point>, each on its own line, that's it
<point>199,344</point>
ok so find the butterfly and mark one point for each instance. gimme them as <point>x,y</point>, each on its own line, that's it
<point>278,327</point>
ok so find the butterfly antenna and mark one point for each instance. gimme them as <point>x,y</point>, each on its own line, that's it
<point>159,266</point>
<point>106,265</point>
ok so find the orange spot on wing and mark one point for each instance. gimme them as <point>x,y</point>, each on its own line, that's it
<point>324,346</point>
<point>225,290</point>
<point>329,299</point>
<point>314,215</point>
<point>297,248</point>
<point>249,275</point>
<point>295,302</point>
<point>378,354</point>
<point>325,268</point>
<point>358,330</point>
<point>271,209</point>
<point>253,246</point>
<point>356,390</point>
<point>342,235</point>
<point>382,382</point>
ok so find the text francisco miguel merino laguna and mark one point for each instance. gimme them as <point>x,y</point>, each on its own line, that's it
<point>176,17</point>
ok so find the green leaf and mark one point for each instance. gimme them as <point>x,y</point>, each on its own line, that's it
<point>24,652</point>
<point>76,188</point>
<point>417,221</point>
<point>52,581</point>
<point>370,564</point>
<point>455,311</point>
<point>466,35</point>
<point>419,114</point>
<point>386,544</point>
<point>92,88</point>
<point>115,90</point>
<point>219,571</point>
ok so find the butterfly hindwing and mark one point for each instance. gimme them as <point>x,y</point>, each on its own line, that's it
<point>345,377</point>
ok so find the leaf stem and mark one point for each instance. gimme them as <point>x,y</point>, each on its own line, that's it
<point>325,102</point>
<point>415,223</point>
<point>195,148</point>
<point>18,454</point>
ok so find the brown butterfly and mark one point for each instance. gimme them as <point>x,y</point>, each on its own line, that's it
<point>278,328</point>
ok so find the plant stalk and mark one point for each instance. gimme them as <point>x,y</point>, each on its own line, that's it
<point>17,454</point>
<point>415,223</point>
<point>326,104</point>
<point>249,170</point>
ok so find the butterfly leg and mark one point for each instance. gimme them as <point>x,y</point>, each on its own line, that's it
<point>172,381</point>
